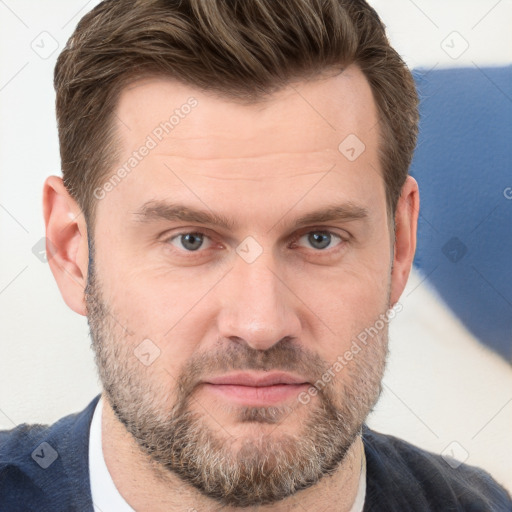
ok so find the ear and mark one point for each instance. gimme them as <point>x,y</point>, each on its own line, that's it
<point>66,243</point>
<point>406,223</point>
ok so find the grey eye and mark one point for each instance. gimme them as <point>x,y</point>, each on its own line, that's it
<point>189,241</point>
<point>320,239</point>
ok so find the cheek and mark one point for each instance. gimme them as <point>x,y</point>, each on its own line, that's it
<point>169,310</point>
<point>352,290</point>
<point>342,302</point>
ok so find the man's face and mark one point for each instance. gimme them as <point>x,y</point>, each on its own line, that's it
<point>176,304</point>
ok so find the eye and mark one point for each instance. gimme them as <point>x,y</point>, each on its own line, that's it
<point>190,241</point>
<point>321,239</point>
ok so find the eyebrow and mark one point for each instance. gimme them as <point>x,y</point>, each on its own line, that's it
<point>158,210</point>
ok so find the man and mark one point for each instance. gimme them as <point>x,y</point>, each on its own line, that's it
<point>235,211</point>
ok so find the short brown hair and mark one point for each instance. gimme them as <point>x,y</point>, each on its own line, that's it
<point>241,49</point>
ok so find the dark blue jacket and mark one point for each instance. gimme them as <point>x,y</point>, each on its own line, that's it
<point>46,469</point>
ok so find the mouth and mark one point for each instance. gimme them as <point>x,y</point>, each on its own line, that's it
<point>256,388</point>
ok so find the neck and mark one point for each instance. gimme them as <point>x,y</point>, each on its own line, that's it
<point>147,487</point>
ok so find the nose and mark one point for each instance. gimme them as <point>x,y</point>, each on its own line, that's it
<point>257,307</point>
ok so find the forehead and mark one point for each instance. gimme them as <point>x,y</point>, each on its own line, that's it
<point>225,149</point>
<point>305,116</point>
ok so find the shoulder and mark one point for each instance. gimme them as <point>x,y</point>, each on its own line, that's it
<point>40,464</point>
<point>18,480</point>
<point>405,477</point>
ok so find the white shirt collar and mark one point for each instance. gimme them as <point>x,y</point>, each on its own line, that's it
<point>106,497</point>
<point>358,504</point>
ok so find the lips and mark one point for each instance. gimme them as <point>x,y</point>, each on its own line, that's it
<point>256,389</point>
<point>256,379</point>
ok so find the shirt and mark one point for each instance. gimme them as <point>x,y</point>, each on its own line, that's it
<point>105,496</point>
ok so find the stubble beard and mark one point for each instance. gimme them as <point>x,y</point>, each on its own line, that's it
<point>234,471</point>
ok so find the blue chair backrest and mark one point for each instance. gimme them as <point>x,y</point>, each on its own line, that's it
<point>463,164</point>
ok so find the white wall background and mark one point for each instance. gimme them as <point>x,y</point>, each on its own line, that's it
<point>441,385</point>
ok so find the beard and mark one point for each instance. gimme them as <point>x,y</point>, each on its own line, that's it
<point>182,437</point>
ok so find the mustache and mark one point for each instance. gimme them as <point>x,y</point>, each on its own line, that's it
<point>283,356</point>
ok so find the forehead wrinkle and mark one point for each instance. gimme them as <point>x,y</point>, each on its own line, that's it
<point>179,153</point>
<point>241,168</point>
<point>259,178</point>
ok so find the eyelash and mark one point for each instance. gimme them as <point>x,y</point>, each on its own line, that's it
<point>330,251</point>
